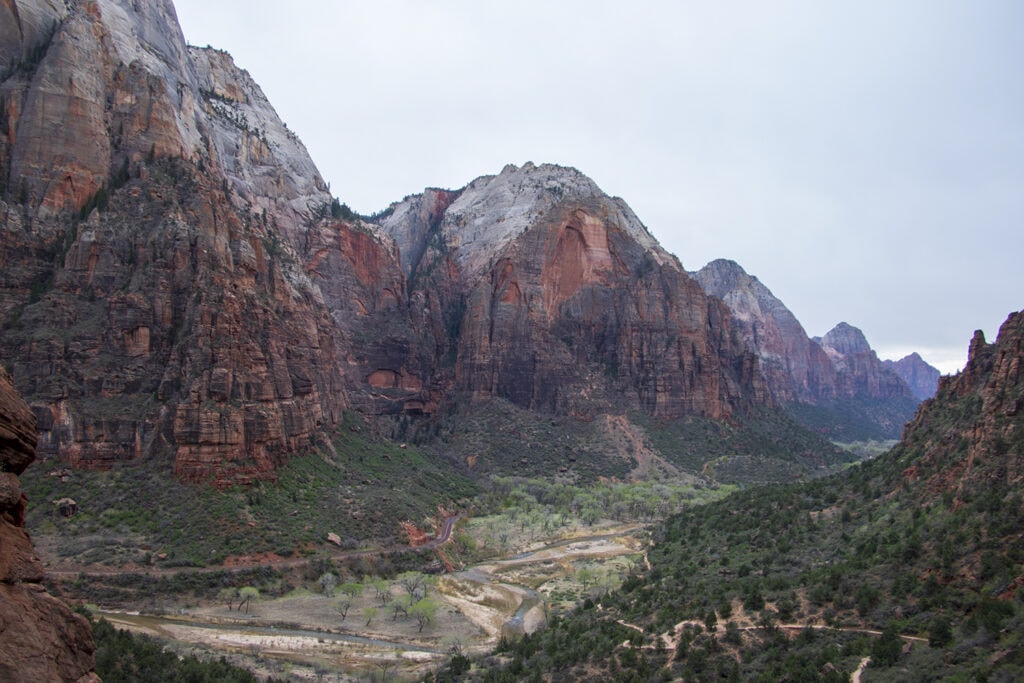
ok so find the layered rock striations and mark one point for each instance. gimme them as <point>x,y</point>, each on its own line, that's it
<point>41,639</point>
<point>173,275</point>
<point>838,374</point>
<point>859,372</point>
<point>566,303</point>
<point>176,280</point>
<point>795,367</point>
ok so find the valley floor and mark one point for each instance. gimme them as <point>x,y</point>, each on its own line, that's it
<point>304,636</point>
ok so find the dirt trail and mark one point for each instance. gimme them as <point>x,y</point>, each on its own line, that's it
<point>855,676</point>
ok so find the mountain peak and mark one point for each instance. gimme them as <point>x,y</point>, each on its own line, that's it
<point>492,210</point>
<point>922,378</point>
<point>845,339</point>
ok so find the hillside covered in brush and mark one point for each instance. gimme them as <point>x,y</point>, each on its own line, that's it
<point>914,560</point>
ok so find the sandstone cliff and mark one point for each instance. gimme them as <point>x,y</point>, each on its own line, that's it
<point>173,278</point>
<point>859,372</point>
<point>566,304</point>
<point>795,367</point>
<point>41,639</point>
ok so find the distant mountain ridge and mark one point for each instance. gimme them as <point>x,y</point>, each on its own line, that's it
<point>922,378</point>
<point>826,380</point>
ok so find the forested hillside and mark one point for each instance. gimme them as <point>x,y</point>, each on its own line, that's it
<point>913,560</point>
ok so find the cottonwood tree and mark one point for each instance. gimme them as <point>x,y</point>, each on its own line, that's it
<point>423,612</point>
<point>248,594</point>
<point>413,583</point>
<point>401,606</point>
<point>228,595</point>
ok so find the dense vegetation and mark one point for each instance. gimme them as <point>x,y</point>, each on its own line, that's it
<point>361,489</point>
<point>913,559</point>
<point>764,446</point>
<point>767,445</point>
<point>122,657</point>
<point>855,420</point>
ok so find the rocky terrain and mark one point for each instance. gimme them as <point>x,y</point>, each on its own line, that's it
<point>832,377</point>
<point>41,639</point>
<point>969,435</point>
<point>177,281</point>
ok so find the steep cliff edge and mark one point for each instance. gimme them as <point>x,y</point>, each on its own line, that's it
<point>795,368</point>
<point>566,304</point>
<point>41,639</point>
<point>176,281</point>
<point>173,279</point>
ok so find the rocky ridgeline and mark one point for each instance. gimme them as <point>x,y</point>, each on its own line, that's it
<point>568,305</point>
<point>837,369</point>
<point>969,438</point>
<point>922,378</point>
<point>41,639</point>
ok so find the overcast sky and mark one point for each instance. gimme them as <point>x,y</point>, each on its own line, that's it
<point>864,159</point>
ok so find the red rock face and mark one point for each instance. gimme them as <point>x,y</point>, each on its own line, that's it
<point>171,283</point>
<point>41,639</point>
<point>839,366</point>
<point>575,318</point>
<point>969,434</point>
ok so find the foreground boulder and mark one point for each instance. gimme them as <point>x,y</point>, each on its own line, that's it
<point>41,639</point>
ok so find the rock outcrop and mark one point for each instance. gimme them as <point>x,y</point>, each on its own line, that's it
<point>795,367</point>
<point>41,639</point>
<point>838,374</point>
<point>922,378</point>
<point>968,440</point>
<point>859,372</point>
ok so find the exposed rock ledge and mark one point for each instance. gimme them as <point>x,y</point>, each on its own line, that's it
<point>41,639</point>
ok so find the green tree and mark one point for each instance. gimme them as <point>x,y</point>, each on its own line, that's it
<point>248,595</point>
<point>939,632</point>
<point>887,647</point>
<point>423,612</point>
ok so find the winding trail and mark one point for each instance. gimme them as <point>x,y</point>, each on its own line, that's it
<point>855,676</point>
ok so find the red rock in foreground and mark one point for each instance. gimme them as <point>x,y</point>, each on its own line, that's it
<point>41,639</point>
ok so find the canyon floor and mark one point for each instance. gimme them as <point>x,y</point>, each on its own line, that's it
<point>303,635</point>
